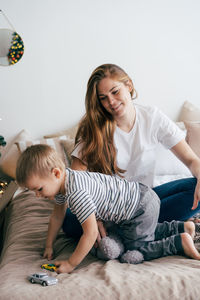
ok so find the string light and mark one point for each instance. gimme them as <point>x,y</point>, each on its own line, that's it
<point>3,186</point>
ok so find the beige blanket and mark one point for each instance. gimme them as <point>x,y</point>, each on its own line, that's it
<point>27,220</point>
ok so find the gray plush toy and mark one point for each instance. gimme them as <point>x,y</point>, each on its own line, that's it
<point>111,247</point>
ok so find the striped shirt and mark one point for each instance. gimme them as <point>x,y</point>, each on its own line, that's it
<point>111,198</point>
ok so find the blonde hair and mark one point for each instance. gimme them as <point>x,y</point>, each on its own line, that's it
<point>37,160</point>
<point>96,129</point>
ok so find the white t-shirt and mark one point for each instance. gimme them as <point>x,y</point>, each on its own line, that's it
<point>136,149</point>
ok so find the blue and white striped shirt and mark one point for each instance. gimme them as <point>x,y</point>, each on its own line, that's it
<point>109,197</point>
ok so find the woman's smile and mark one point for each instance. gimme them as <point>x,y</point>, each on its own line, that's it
<point>116,107</point>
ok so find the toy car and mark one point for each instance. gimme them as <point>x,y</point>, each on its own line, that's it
<point>42,278</point>
<point>50,267</point>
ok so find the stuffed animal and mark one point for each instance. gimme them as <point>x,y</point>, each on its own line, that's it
<point>111,247</point>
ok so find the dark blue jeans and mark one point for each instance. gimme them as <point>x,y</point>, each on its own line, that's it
<point>177,199</point>
<point>176,202</point>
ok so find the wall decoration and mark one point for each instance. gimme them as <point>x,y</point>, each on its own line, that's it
<point>11,45</point>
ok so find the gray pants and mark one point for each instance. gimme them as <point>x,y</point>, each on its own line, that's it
<point>144,233</point>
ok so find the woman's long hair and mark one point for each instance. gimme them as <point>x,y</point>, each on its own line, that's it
<point>96,129</point>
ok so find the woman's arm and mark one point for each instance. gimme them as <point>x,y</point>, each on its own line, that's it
<point>86,242</point>
<point>55,224</point>
<point>184,152</point>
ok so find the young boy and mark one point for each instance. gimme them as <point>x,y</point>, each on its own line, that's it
<point>91,196</point>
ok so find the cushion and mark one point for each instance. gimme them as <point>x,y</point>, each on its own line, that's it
<point>181,125</point>
<point>68,146</point>
<point>193,136</point>
<point>189,112</point>
<point>68,143</point>
<point>167,163</point>
<point>71,132</point>
<point>53,142</point>
<point>12,153</point>
<point>24,139</point>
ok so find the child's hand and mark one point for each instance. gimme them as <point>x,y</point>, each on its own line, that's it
<point>102,232</point>
<point>48,253</point>
<point>63,266</point>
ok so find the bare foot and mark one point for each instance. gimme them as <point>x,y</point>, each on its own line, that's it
<point>188,246</point>
<point>189,227</point>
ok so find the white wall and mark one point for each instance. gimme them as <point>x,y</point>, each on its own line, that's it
<point>156,41</point>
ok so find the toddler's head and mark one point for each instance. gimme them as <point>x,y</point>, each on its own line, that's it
<point>37,166</point>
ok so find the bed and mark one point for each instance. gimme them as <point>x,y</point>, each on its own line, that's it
<point>24,232</point>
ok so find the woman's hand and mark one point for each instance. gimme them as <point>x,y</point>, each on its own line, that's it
<point>196,195</point>
<point>63,266</point>
<point>183,151</point>
<point>48,253</point>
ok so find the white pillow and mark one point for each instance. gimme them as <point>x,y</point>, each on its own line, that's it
<point>161,179</point>
<point>53,142</point>
<point>168,164</point>
<point>68,143</point>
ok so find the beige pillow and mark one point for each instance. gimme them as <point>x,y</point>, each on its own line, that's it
<point>53,142</point>
<point>12,153</point>
<point>189,112</point>
<point>68,146</point>
<point>193,136</point>
<point>71,133</point>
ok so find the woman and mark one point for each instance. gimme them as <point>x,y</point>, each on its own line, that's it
<point>119,137</point>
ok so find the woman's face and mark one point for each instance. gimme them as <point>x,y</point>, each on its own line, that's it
<point>114,96</point>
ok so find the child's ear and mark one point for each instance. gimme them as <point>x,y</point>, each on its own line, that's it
<point>56,172</point>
